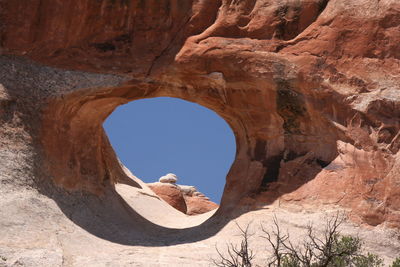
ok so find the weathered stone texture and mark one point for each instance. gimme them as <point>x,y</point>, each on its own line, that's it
<point>310,89</point>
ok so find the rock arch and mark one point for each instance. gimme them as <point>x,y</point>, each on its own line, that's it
<point>313,114</point>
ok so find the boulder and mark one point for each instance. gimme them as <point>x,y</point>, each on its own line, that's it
<point>169,178</point>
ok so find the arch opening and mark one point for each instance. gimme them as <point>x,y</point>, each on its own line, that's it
<point>156,136</point>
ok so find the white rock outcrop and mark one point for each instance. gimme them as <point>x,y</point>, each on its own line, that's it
<point>188,189</point>
<point>169,178</point>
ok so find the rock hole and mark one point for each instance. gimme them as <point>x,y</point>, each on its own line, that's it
<point>157,136</point>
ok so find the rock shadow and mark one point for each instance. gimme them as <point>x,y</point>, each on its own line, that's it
<point>109,217</point>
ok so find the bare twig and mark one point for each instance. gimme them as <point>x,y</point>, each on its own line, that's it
<point>238,256</point>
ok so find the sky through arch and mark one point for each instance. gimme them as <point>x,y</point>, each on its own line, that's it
<point>156,136</point>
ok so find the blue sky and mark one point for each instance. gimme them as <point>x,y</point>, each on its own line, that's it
<point>156,136</point>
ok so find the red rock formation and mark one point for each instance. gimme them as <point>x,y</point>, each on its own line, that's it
<point>182,197</point>
<point>198,205</point>
<point>171,194</point>
<point>310,89</point>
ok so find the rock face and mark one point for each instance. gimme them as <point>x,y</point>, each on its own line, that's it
<point>182,197</point>
<point>171,194</point>
<point>196,202</point>
<point>309,87</point>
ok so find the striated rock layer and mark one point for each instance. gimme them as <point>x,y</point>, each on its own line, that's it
<point>311,89</point>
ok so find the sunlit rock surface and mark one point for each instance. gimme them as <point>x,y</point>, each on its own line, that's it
<point>168,178</point>
<point>184,198</point>
<point>171,194</point>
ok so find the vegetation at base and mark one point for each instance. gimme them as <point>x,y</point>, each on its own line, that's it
<point>396,262</point>
<point>329,250</point>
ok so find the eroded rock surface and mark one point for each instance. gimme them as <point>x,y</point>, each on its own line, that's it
<point>199,204</point>
<point>184,198</point>
<point>309,87</point>
<point>302,83</point>
<point>169,178</point>
<point>171,194</point>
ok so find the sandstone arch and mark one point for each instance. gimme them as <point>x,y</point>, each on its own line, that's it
<point>80,156</point>
<point>313,114</point>
<point>309,87</point>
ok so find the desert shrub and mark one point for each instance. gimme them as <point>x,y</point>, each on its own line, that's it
<point>330,250</point>
<point>396,262</point>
